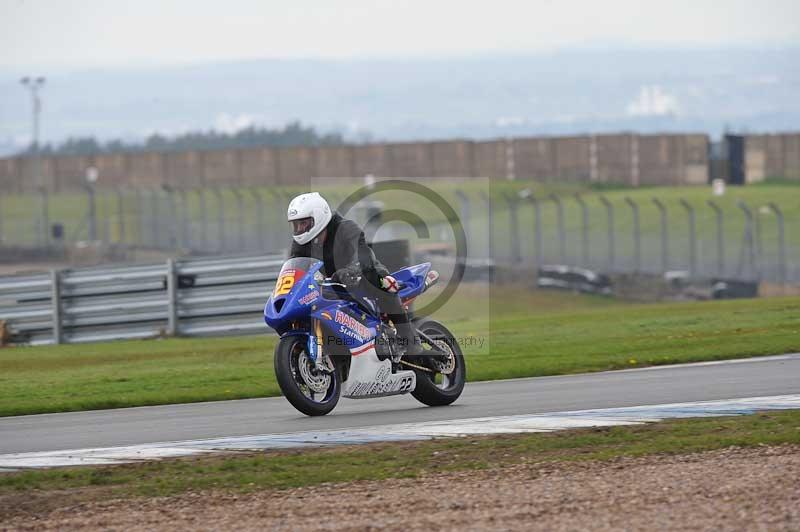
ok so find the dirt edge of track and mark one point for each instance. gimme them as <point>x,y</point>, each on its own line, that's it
<point>728,489</point>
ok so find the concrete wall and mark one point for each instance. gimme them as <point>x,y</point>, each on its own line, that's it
<point>774,155</point>
<point>621,158</point>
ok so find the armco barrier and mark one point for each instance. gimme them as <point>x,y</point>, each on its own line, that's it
<point>185,297</point>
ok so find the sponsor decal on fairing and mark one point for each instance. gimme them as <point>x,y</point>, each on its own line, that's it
<point>309,297</point>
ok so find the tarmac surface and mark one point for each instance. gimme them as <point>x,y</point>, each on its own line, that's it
<point>753,377</point>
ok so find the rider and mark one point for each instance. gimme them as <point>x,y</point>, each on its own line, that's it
<point>320,233</point>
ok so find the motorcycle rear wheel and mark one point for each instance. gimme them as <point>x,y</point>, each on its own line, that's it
<point>428,391</point>
<point>290,354</point>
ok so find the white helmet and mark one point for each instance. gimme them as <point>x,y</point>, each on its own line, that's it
<point>309,214</point>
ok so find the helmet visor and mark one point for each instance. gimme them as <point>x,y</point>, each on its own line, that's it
<point>303,225</point>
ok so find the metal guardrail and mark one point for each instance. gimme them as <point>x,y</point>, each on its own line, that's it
<point>186,297</point>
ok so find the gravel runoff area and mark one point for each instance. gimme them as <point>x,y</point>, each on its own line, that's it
<point>730,489</point>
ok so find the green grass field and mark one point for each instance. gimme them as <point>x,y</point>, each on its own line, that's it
<point>527,334</point>
<point>38,489</point>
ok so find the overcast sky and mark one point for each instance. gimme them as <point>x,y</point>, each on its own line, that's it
<point>75,34</point>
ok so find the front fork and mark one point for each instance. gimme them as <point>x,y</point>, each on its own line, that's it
<point>315,348</point>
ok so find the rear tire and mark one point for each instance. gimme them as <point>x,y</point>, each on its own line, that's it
<point>289,354</point>
<point>427,391</point>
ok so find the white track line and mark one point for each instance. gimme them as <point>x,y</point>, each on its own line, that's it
<point>399,432</point>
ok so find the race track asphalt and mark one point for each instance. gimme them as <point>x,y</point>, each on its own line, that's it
<point>752,377</point>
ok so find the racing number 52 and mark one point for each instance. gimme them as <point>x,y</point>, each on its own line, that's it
<point>284,284</point>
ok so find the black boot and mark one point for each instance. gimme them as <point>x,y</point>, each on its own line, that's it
<point>408,340</point>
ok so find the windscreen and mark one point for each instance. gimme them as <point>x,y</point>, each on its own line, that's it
<point>292,271</point>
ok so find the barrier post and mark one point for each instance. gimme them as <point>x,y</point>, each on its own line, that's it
<point>55,303</point>
<point>172,298</point>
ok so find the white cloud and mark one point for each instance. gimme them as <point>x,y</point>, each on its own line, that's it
<point>84,33</point>
<point>228,123</point>
<point>653,101</point>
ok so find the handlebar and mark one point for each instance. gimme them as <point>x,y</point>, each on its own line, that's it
<point>327,281</point>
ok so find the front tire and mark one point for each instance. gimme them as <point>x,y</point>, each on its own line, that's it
<point>312,392</point>
<point>428,391</point>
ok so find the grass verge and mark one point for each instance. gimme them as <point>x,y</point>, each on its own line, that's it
<point>288,469</point>
<point>533,334</point>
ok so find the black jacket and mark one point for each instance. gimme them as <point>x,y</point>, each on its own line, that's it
<point>344,247</point>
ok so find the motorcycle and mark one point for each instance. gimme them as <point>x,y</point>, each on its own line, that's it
<point>334,341</point>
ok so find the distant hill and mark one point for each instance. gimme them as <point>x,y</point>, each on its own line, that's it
<point>483,96</point>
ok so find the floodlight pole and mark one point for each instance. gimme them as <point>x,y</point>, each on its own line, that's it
<point>34,85</point>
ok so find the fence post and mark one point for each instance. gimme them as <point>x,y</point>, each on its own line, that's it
<point>174,235</point>
<point>279,218</point>
<point>781,242</point>
<point>92,211</point>
<point>172,298</point>
<point>155,223</point>
<point>720,216</point>
<point>637,236</point>
<point>537,234</point>
<point>464,209</point>
<point>140,229</point>
<point>562,236</point>
<point>184,232</point>
<point>584,230</point>
<point>692,237</point>
<point>239,219</point>
<point>489,214</point>
<point>220,218</point>
<point>662,211</point>
<point>201,198</point>
<point>516,254</point>
<point>55,304</point>
<point>748,251</point>
<point>44,217</point>
<point>261,243</point>
<point>107,205</point>
<point>120,214</point>
<point>610,225</point>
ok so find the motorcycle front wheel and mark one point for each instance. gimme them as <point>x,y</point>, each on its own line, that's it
<point>309,390</point>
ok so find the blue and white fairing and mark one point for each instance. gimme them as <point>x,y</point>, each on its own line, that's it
<point>297,307</point>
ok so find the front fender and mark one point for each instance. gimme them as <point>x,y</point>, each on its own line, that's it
<point>312,345</point>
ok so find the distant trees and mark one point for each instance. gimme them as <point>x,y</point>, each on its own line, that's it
<point>293,134</point>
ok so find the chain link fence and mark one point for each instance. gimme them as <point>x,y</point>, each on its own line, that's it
<point>612,233</point>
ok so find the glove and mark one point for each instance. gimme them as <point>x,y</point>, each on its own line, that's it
<point>349,276</point>
<point>390,284</point>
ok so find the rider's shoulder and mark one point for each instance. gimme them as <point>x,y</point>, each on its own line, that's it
<point>346,226</point>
